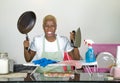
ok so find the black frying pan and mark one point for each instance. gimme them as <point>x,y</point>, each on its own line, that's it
<point>26,22</point>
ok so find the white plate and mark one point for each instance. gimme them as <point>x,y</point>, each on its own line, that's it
<point>105,60</point>
<point>29,64</point>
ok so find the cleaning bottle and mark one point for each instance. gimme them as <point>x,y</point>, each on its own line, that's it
<point>89,55</point>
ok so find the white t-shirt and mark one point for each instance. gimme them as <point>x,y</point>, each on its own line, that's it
<point>37,45</point>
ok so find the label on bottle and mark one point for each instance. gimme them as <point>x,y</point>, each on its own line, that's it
<point>90,56</point>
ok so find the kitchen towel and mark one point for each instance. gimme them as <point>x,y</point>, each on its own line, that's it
<point>75,63</point>
<point>118,57</point>
<point>67,58</point>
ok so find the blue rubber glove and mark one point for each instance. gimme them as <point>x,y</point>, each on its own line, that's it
<point>44,62</point>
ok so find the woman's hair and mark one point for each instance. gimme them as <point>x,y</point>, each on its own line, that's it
<point>49,18</point>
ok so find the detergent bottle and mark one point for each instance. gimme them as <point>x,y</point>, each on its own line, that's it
<point>89,55</point>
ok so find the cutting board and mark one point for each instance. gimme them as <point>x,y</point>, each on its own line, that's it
<point>14,75</point>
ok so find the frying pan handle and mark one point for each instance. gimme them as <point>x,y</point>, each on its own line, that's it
<point>27,38</point>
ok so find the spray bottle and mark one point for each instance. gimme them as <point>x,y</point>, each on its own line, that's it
<point>89,55</point>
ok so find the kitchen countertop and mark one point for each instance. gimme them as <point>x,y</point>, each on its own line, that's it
<point>78,76</point>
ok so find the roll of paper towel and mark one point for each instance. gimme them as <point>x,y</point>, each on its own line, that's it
<point>118,57</point>
<point>115,72</point>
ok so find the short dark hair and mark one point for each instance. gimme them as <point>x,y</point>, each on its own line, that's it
<point>49,18</point>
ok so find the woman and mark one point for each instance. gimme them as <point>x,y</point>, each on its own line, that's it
<point>49,45</point>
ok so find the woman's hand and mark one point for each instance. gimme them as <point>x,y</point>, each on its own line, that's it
<point>26,43</point>
<point>72,36</point>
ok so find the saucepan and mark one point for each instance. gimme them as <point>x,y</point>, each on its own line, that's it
<point>26,22</point>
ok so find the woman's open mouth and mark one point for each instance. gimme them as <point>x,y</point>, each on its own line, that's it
<point>50,33</point>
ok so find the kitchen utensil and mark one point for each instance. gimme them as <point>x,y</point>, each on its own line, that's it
<point>26,22</point>
<point>77,42</point>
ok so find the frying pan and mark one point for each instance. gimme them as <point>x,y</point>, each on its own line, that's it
<point>26,22</point>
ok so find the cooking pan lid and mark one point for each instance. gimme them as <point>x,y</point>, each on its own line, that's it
<point>26,22</point>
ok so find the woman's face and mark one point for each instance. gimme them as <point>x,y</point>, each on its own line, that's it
<point>49,29</point>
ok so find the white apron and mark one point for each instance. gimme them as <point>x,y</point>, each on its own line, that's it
<point>57,56</point>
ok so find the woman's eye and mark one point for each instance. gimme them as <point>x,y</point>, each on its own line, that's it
<point>50,26</point>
